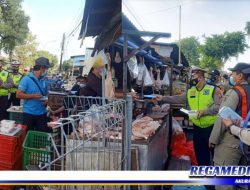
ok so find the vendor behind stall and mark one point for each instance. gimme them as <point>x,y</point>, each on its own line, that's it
<point>94,84</point>
<point>81,83</point>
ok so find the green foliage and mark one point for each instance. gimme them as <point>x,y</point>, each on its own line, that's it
<point>67,65</point>
<point>247,28</point>
<point>219,48</point>
<point>28,53</point>
<point>189,47</point>
<point>13,25</point>
<point>52,58</point>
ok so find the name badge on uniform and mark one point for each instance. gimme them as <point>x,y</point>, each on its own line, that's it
<point>206,92</point>
<point>3,74</point>
<point>192,94</point>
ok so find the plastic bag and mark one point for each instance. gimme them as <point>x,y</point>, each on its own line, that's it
<point>109,85</point>
<point>181,148</point>
<point>141,70</point>
<point>152,75</point>
<point>133,67</point>
<point>147,79</point>
<point>177,129</point>
<point>95,115</point>
<point>165,80</point>
<point>158,82</point>
<point>99,60</point>
<point>88,64</point>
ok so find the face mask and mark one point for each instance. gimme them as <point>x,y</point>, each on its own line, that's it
<point>82,85</point>
<point>213,79</point>
<point>45,73</point>
<point>193,82</point>
<point>104,72</point>
<point>15,70</point>
<point>231,81</point>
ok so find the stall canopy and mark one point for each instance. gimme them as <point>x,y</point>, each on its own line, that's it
<point>101,18</point>
<point>150,53</point>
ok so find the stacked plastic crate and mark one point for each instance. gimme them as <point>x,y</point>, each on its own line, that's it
<point>11,151</point>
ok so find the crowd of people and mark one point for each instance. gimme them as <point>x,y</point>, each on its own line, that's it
<point>33,89</point>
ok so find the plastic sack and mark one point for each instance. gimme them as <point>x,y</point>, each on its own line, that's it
<point>109,85</point>
<point>133,67</point>
<point>177,129</point>
<point>88,64</point>
<point>94,115</point>
<point>98,61</point>
<point>141,71</point>
<point>158,82</point>
<point>152,75</point>
<point>165,80</point>
<point>181,148</point>
<point>147,79</point>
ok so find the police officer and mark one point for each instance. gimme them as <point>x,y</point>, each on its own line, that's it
<point>206,99</point>
<point>216,79</point>
<point>5,84</point>
<point>16,78</point>
<point>227,146</point>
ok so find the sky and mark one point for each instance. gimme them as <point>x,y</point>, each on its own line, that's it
<point>49,19</point>
<point>198,18</point>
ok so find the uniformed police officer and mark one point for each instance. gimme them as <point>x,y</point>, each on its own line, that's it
<point>227,146</point>
<point>216,79</point>
<point>206,99</point>
<point>5,84</point>
<point>16,78</point>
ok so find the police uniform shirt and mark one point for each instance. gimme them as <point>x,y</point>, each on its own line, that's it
<point>231,100</point>
<point>242,133</point>
<point>211,110</point>
<point>9,83</point>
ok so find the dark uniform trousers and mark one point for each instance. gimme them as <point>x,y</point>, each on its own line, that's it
<point>203,153</point>
<point>3,107</point>
<point>36,122</point>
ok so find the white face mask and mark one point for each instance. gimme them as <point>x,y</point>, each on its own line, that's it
<point>82,85</point>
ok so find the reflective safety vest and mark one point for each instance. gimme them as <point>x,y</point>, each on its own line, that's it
<point>201,100</point>
<point>4,77</point>
<point>243,92</point>
<point>16,80</point>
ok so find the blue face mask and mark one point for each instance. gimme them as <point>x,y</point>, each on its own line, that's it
<point>231,81</point>
<point>104,72</point>
<point>45,73</point>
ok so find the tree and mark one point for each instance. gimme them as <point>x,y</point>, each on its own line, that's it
<point>189,47</point>
<point>219,48</point>
<point>67,65</point>
<point>13,25</point>
<point>247,28</point>
<point>27,53</point>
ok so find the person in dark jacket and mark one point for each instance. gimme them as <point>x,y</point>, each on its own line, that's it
<point>81,83</point>
<point>94,84</point>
